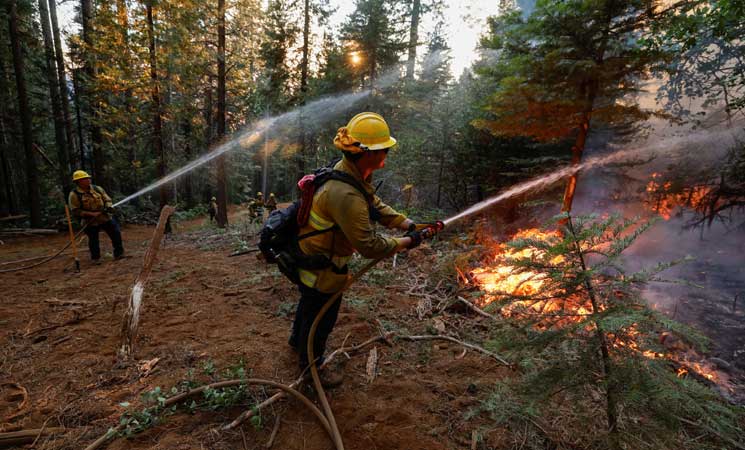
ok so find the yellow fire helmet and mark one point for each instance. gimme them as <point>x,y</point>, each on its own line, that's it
<point>79,175</point>
<point>366,131</point>
<point>213,199</point>
<point>259,194</point>
<point>271,195</point>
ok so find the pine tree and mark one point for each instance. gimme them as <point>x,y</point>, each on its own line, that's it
<point>564,66</point>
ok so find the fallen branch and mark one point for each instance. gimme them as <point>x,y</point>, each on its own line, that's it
<point>275,430</point>
<point>476,309</point>
<point>131,320</point>
<point>219,385</point>
<point>14,438</point>
<point>735,444</point>
<point>74,320</point>
<point>439,337</point>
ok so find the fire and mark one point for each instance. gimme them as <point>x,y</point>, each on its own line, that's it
<point>503,278</point>
<point>664,199</point>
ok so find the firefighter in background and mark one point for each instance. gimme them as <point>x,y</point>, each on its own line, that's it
<point>212,209</point>
<point>271,203</point>
<point>256,206</point>
<point>94,207</point>
<point>347,217</point>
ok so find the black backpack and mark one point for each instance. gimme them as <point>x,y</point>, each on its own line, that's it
<point>279,238</point>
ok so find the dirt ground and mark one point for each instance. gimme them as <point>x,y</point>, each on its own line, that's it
<point>60,330</point>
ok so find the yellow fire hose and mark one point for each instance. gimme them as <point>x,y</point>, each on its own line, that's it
<point>429,230</point>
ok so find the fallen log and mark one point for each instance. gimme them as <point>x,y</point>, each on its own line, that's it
<point>16,217</point>
<point>27,231</point>
<point>14,438</point>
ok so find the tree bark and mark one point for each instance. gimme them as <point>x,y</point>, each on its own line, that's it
<point>222,197</point>
<point>78,115</point>
<point>32,177</point>
<point>124,59</point>
<point>5,146</point>
<point>63,165</point>
<point>157,137</point>
<point>413,38</point>
<point>62,80</point>
<point>89,92</point>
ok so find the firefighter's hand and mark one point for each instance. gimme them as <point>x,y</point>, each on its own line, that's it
<point>416,238</point>
<point>407,225</point>
<point>109,210</point>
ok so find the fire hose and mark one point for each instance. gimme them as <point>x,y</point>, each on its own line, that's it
<point>52,256</point>
<point>427,230</point>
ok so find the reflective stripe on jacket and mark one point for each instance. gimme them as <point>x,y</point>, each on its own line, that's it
<point>93,200</point>
<point>338,203</point>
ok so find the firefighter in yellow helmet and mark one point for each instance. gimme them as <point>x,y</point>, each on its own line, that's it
<point>350,215</point>
<point>94,207</point>
<point>212,209</point>
<point>271,203</point>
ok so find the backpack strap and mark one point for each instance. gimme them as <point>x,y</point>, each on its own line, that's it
<point>80,196</point>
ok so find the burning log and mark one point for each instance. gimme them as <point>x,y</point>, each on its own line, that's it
<point>132,314</point>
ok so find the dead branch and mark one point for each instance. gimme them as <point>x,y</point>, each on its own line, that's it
<point>132,314</point>
<point>220,385</point>
<point>476,309</point>
<point>14,438</point>
<point>439,337</point>
<point>74,320</point>
<point>275,430</point>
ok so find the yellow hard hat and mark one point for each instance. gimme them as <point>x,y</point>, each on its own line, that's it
<point>79,175</point>
<point>214,199</point>
<point>366,131</point>
<point>271,195</point>
<point>259,194</point>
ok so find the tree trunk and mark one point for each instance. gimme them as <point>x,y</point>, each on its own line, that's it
<point>413,39</point>
<point>89,92</point>
<point>122,40</point>
<point>222,194</point>
<point>188,154</point>
<point>157,138</point>
<point>5,146</point>
<point>63,165</point>
<point>32,177</point>
<point>78,115</point>
<point>303,90</point>
<point>62,80</point>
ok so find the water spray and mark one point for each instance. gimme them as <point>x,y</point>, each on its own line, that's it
<point>669,147</point>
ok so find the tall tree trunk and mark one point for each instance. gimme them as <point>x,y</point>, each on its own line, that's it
<point>208,188</point>
<point>5,146</point>
<point>32,177</point>
<point>90,93</point>
<point>122,40</point>
<point>62,80</point>
<point>222,194</point>
<point>413,38</point>
<point>157,138</point>
<point>63,165</point>
<point>78,115</point>
<point>188,154</point>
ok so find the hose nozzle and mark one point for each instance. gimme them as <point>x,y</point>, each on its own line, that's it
<point>432,229</point>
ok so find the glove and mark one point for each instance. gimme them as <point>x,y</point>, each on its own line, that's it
<point>412,227</point>
<point>416,238</point>
<point>109,210</point>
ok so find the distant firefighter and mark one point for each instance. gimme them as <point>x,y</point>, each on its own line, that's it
<point>271,203</point>
<point>212,209</point>
<point>256,206</point>
<point>94,207</point>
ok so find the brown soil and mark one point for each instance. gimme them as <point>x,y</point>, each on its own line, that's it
<point>60,330</point>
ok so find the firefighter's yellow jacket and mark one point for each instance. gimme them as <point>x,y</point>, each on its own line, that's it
<point>93,200</point>
<point>338,203</point>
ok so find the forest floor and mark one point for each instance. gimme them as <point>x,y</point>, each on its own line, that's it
<point>204,312</point>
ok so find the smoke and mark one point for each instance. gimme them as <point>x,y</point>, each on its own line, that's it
<point>686,156</point>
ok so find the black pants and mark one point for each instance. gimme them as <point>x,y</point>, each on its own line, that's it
<point>112,229</point>
<point>310,304</point>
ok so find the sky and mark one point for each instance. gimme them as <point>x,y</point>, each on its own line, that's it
<point>465,20</point>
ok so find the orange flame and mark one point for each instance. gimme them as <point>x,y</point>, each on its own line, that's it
<point>663,199</point>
